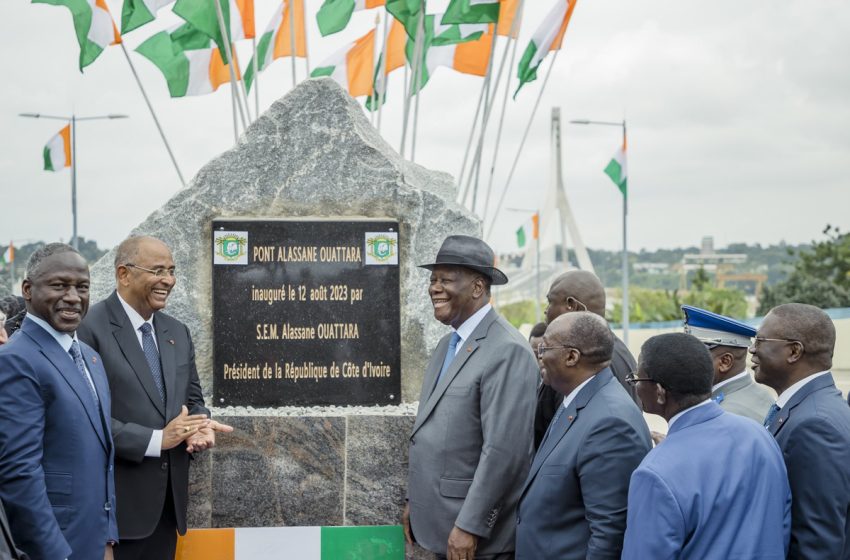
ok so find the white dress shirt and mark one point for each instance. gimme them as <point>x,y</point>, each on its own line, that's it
<point>465,330</point>
<point>792,390</point>
<point>64,339</point>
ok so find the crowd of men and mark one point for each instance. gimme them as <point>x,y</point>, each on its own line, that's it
<point>520,449</point>
<point>496,475</point>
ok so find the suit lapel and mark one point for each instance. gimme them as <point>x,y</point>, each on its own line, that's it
<point>101,385</point>
<point>66,367</point>
<point>567,420</point>
<point>785,412</point>
<point>464,352</point>
<point>128,342</point>
<point>166,357</point>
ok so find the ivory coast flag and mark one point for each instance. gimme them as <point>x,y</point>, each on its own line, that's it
<point>93,26</point>
<point>334,15</point>
<point>276,40</point>
<point>136,13</point>
<point>8,256</point>
<point>396,43</point>
<point>57,152</point>
<point>189,60</point>
<point>238,18</point>
<point>547,38</point>
<point>471,11</point>
<point>617,169</point>
<point>507,13</point>
<point>530,228</point>
<point>351,66</point>
<point>468,57</point>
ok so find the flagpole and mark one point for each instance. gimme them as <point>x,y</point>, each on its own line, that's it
<point>235,123</point>
<point>469,140</point>
<point>153,114</point>
<point>74,242</point>
<point>375,53</point>
<point>256,75</point>
<point>226,40</point>
<point>242,84</point>
<point>291,3</point>
<point>485,118</point>
<point>625,250</point>
<point>417,63</point>
<point>382,77</point>
<point>521,146</point>
<point>306,49</point>
<point>513,33</point>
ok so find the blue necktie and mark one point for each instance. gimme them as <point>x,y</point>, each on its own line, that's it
<point>450,356</point>
<point>152,356</point>
<point>81,366</point>
<point>771,414</point>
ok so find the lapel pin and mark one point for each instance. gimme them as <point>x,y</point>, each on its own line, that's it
<point>94,359</point>
<point>468,349</point>
<point>570,418</point>
<point>171,341</point>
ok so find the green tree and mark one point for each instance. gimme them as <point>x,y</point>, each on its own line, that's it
<point>520,312</point>
<point>820,277</point>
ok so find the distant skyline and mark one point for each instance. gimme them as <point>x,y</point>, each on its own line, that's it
<point>738,122</point>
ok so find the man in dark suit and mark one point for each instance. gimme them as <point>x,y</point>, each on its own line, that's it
<point>158,412</point>
<point>56,476</point>
<point>573,504</point>
<point>471,442</point>
<point>578,290</point>
<point>792,353</point>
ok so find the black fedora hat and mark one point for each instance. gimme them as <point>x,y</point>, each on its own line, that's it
<point>469,252</point>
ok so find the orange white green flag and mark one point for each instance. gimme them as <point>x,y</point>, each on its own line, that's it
<point>546,39</point>
<point>57,152</point>
<point>618,169</point>
<point>189,60</point>
<point>531,228</point>
<point>276,40</point>
<point>334,15</point>
<point>351,66</point>
<point>93,26</point>
<point>8,256</point>
<point>136,13</point>
<point>238,18</point>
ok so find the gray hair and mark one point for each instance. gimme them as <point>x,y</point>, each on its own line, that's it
<point>38,257</point>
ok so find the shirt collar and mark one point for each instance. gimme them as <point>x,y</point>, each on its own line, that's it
<point>465,330</point>
<point>569,398</point>
<point>135,319</point>
<point>682,412</point>
<point>64,339</point>
<point>730,380</point>
<point>792,390</point>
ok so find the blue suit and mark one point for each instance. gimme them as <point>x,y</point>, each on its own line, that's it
<point>573,504</point>
<point>715,489</point>
<point>813,430</point>
<point>56,478</point>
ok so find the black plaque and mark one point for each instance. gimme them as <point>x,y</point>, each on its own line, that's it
<point>306,313</point>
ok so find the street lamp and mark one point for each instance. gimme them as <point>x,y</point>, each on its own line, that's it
<point>621,124</point>
<point>73,120</point>
<point>535,212</point>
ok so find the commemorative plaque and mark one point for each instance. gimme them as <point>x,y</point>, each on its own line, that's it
<point>305,313</point>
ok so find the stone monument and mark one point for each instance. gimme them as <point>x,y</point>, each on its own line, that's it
<point>312,156</point>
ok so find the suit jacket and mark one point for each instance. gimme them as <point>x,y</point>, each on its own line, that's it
<point>813,430</point>
<point>714,489</point>
<point>548,399</point>
<point>7,544</point>
<point>573,504</point>
<point>56,478</point>
<point>744,397</point>
<point>470,447</point>
<point>137,409</point>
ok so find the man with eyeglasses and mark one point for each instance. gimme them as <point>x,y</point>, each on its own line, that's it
<point>573,503</point>
<point>792,353</point>
<point>158,412</point>
<point>577,290</point>
<point>727,340</point>
<point>716,488</point>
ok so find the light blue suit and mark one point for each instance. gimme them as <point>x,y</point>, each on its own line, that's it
<point>715,489</point>
<point>56,470</point>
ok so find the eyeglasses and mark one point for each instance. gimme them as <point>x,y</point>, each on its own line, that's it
<point>542,349</point>
<point>633,379</point>
<point>759,339</point>
<point>159,272</point>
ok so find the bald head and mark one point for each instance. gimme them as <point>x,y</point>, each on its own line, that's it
<point>129,249</point>
<point>587,332</point>
<point>810,325</point>
<point>575,290</point>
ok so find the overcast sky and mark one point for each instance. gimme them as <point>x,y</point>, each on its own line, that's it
<point>738,119</point>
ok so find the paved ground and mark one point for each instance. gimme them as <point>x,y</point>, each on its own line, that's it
<point>842,380</point>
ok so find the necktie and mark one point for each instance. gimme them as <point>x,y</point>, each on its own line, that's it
<point>450,355</point>
<point>152,356</point>
<point>771,414</point>
<point>77,356</point>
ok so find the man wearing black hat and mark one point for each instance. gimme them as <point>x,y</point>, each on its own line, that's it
<point>471,444</point>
